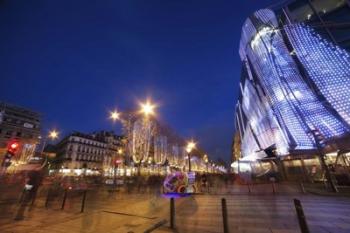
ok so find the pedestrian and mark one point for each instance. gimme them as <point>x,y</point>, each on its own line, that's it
<point>204,182</point>
<point>33,181</point>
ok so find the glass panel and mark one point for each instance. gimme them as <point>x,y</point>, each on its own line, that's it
<point>325,6</point>
<point>328,67</point>
<point>345,45</point>
<point>339,21</point>
<point>301,11</point>
<point>340,15</point>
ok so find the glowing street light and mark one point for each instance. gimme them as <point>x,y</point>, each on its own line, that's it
<point>115,115</point>
<point>190,146</point>
<point>206,160</point>
<point>147,108</point>
<point>53,134</point>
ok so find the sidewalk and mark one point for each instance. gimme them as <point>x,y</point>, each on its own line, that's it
<point>260,214</point>
<point>132,213</point>
<point>255,212</point>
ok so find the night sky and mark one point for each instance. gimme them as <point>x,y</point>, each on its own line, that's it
<point>74,61</point>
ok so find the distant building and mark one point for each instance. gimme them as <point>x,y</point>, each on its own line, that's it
<point>294,84</point>
<point>88,154</point>
<point>22,125</point>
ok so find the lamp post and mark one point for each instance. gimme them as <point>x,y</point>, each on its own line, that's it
<point>117,161</point>
<point>206,160</point>
<point>190,146</point>
<point>149,165</point>
<point>147,109</point>
<point>53,135</point>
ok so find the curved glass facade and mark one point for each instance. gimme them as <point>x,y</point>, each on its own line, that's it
<point>294,81</point>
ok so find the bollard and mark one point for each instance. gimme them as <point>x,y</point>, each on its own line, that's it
<point>325,184</point>
<point>301,217</point>
<point>22,196</point>
<point>47,198</point>
<point>33,198</point>
<point>64,199</point>
<point>172,213</point>
<point>273,187</point>
<point>83,202</point>
<point>224,215</point>
<point>302,187</point>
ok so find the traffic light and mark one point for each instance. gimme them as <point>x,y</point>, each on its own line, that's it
<point>12,147</point>
<point>117,162</point>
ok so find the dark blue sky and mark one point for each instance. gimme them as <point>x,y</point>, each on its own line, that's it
<point>73,61</point>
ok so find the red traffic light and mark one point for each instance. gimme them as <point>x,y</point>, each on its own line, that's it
<point>117,161</point>
<point>13,147</point>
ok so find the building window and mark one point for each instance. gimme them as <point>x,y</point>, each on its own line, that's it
<point>323,7</point>
<point>337,17</point>
<point>301,11</point>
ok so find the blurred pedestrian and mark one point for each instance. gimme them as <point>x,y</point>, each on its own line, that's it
<point>33,181</point>
<point>204,182</point>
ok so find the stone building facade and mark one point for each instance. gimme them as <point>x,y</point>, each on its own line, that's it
<point>22,125</point>
<point>88,154</point>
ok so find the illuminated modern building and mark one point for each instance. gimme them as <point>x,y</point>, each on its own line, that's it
<point>294,89</point>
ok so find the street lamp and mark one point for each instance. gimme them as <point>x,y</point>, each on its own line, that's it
<point>115,115</point>
<point>190,146</point>
<point>149,165</point>
<point>53,135</point>
<point>147,108</point>
<point>120,151</point>
<point>206,160</point>
<point>116,162</point>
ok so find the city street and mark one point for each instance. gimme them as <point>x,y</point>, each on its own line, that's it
<point>259,211</point>
<point>175,116</point>
<point>104,212</point>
